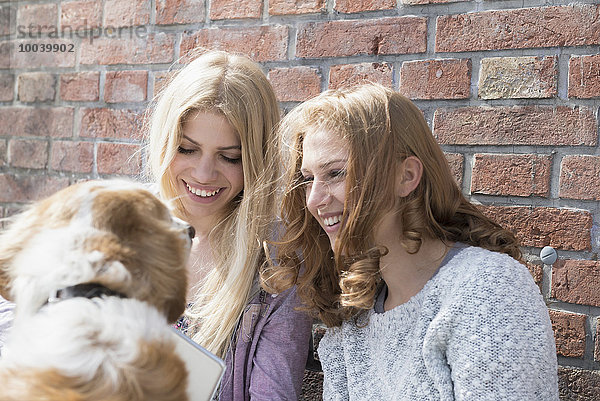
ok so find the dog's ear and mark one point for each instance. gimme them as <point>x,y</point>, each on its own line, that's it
<point>12,241</point>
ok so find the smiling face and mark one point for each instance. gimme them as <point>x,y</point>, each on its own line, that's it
<point>324,163</point>
<point>207,169</point>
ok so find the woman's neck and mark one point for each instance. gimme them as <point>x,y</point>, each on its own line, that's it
<point>406,274</point>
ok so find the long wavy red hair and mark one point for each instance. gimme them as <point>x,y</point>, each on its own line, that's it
<point>381,128</point>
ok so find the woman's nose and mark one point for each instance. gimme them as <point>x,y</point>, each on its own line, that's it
<point>204,170</point>
<point>317,195</point>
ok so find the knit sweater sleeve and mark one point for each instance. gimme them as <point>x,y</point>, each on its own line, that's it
<point>495,333</point>
<point>335,384</point>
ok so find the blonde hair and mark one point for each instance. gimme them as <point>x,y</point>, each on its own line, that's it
<point>381,128</point>
<point>235,87</point>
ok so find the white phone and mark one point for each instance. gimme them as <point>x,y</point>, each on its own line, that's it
<point>205,370</point>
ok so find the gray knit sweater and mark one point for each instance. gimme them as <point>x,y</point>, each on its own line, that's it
<point>478,330</point>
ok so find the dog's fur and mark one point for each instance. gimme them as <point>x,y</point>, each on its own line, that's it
<point>115,234</point>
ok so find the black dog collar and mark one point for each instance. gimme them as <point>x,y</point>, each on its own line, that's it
<point>88,290</point>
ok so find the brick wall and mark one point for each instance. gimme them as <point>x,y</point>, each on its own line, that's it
<point>512,93</point>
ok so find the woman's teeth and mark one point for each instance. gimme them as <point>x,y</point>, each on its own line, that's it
<point>202,193</point>
<point>329,221</point>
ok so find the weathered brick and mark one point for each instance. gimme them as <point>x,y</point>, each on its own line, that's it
<point>584,76</point>
<point>295,83</point>
<point>36,87</point>
<point>125,86</point>
<point>7,87</point>
<point>84,14</point>
<point>170,12</point>
<point>436,79</point>
<point>38,18</point>
<point>161,80</point>
<point>283,7</point>
<point>518,77</point>
<point>7,54</point>
<point>235,9</point>
<point>569,333</point>
<point>3,154</point>
<point>573,25</point>
<point>261,43</point>
<point>28,153</point>
<point>456,162</point>
<point>517,125</point>
<point>129,49</point>
<point>579,177</point>
<point>597,344</point>
<point>119,158</point>
<point>567,229</point>
<point>576,384</point>
<point>511,175</point>
<point>537,272</point>
<point>353,6</point>
<point>312,385</point>
<point>28,188</point>
<point>7,19</point>
<point>80,86</point>
<point>39,60</point>
<point>110,123</point>
<point>576,281</point>
<point>396,35</point>
<point>72,156</point>
<point>119,13</point>
<point>345,75</point>
<point>33,121</point>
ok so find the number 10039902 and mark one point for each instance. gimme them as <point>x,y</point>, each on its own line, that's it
<point>46,48</point>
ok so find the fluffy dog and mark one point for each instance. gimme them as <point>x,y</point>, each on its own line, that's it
<point>96,271</point>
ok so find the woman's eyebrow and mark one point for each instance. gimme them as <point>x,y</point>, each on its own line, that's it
<point>236,147</point>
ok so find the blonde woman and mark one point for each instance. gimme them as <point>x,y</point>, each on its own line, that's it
<point>211,151</point>
<point>424,296</point>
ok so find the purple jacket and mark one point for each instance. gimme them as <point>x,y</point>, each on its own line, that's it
<point>268,357</point>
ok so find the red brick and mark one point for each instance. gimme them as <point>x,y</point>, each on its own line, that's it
<point>518,77</point>
<point>516,125</point>
<point>170,12</point>
<point>575,25</point>
<point>456,162</point>
<point>398,35</point>
<point>537,272</point>
<point>80,86</point>
<point>28,188</point>
<point>161,80</point>
<point>3,155</point>
<point>569,333</point>
<point>28,153</point>
<point>129,49</point>
<point>261,43</point>
<point>119,13</point>
<point>353,6</point>
<point>584,76</point>
<point>110,123</point>
<point>283,7</point>
<point>579,177</point>
<point>72,156</point>
<point>567,229</point>
<point>36,87</point>
<point>30,121</point>
<point>119,158</point>
<point>7,15</point>
<point>7,54</point>
<point>511,175</point>
<point>295,84</point>
<point>576,281</point>
<point>40,60</point>
<point>578,384</point>
<point>38,18</point>
<point>235,9</point>
<point>352,74</point>
<point>125,86</point>
<point>7,87</point>
<point>436,79</point>
<point>80,14</point>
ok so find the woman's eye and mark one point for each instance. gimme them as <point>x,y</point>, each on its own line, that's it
<point>306,180</point>
<point>232,160</point>
<point>184,151</point>
<point>338,173</point>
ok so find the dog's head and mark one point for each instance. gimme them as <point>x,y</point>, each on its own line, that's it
<point>113,233</point>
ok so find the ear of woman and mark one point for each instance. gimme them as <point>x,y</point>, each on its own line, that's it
<point>409,173</point>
